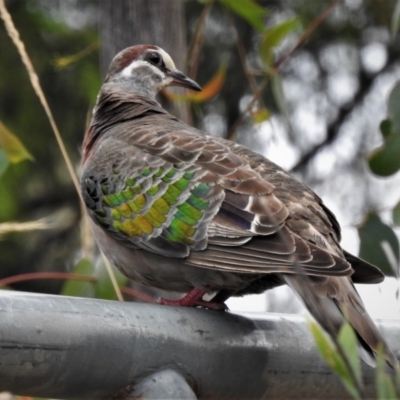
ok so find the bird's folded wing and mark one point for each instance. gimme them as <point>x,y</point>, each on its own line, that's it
<point>174,192</point>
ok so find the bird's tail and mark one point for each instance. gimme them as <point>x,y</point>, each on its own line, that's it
<point>329,300</point>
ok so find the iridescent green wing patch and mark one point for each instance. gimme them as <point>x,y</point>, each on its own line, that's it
<point>158,201</point>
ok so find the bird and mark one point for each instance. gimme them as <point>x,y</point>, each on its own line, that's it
<point>177,209</point>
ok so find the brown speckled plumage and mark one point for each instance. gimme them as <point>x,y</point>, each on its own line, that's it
<point>177,209</point>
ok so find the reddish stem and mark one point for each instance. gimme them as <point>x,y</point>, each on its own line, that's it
<point>307,33</point>
<point>46,275</point>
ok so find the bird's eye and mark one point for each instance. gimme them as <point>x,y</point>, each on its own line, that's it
<point>155,59</point>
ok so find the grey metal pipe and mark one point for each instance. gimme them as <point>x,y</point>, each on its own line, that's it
<point>64,347</point>
<point>165,384</point>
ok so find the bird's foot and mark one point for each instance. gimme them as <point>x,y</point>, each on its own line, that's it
<point>194,299</point>
<point>213,305</point>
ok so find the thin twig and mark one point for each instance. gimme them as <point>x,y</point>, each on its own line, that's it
<point>366,82</point>
<point>240,118</point>
<point>112,277</point>
<point>278,64</point>
<point>242,55</point>
<point>17,227</point>
<point>62,62</point>
<point>32,276</point>
<point>194,51</point>
<point>307,33</point>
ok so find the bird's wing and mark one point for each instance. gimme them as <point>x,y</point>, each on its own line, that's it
<point>179,193</point>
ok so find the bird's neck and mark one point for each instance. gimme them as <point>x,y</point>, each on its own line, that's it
<point>114,105</point>
<point>141,86</point>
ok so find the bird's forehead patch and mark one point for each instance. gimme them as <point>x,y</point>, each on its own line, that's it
<point>167,59</point>
<point>124,58</point>
<point>137,64</point>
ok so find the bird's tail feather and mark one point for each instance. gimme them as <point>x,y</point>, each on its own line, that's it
<point>335,301</point>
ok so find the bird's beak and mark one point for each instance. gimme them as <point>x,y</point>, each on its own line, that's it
<point>180,79</point>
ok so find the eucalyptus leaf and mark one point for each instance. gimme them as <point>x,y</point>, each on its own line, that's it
<point>373,234</point>
<point>249,10</point>
<point>384,385</point>
<point>396,214</point>
<point>386,127</point>
<point>279,95</point>
<point>80,288</point>
<point>104,288</point>
<point>394,107</point>
<point>3,161</point>
<point>348,341</point>
<point>261,115</point>
<point>395,22</point>
<point>12,146</point>
<point>331,356</point>
<point>386,160</point>
<point>273,37</point>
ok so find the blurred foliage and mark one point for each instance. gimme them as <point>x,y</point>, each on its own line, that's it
<point>344,360</point>
<point>379,244</point>
<point>101,289</point>
<point>208,91</point>
<point>29,190</point>
<point>385,161</point>
<point>249,10</point>
<point>273,37</point>
<point>386,386</point>
<point>349,372</point>
<point>12,147</point>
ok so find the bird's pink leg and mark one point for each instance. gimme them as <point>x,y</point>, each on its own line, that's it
<point>193,299</point>
<point>189,300</point>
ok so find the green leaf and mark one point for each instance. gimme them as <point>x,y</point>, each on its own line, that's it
<point>397,380</point>
<point>386,127</point>
<point>373,233</point>
<point>104,288</point>
<point>386,160</point>
<point>12,146</point>
<point>279,96</point>
<point>394,107</point>
<point>3,161</point>
<point>80,288</point>
<point>261,115</point>
<point>348,341</point>
<point>273,37</point>
<point>384,385</point>
<point>396,214</point>
<point>62,62</point>
<point>249,10</point>
<point>395,22</point>
<point>332,358</point>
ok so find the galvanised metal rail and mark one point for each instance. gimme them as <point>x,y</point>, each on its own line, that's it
<point>75,348</point>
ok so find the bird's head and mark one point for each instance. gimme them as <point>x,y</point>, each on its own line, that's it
<point>145,70</point>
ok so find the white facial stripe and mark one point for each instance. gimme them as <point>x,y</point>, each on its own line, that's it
<point>167,59</point>
<point>127,71</point>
